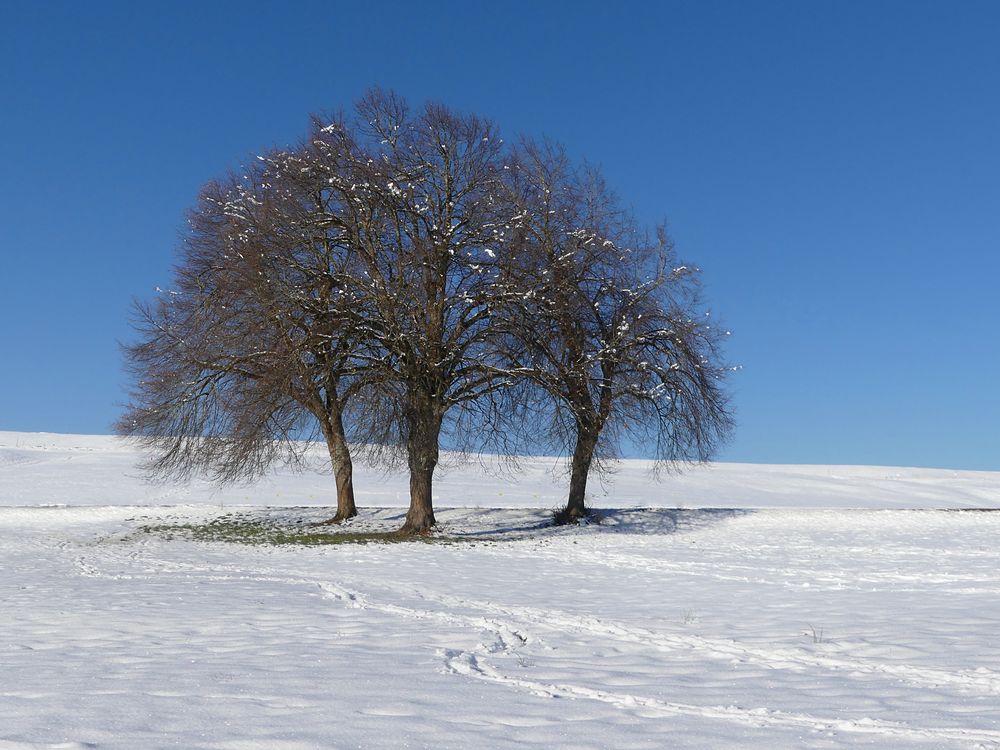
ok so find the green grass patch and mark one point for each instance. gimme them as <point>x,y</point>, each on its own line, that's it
<point>239,529</point>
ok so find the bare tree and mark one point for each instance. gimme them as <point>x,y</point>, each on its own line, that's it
<point>423,208</point>
<point>253,354</point>
<point>403,276</point>
<point>604,323</point>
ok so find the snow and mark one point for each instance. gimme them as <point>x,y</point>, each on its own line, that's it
<point>54,469</point>
<point>778,607</point>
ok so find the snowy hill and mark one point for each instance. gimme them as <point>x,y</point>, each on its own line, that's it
<point>51,469</point>
<point>788,621</point>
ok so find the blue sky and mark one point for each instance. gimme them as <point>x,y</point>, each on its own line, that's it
<point>834,167</point>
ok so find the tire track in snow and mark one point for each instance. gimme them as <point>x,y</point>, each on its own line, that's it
<point>981,680</point>
<point>506,635</point>
<point>470,664</point>
<point>517,623</point>
<point>507,638</point>
<point>467,664</point>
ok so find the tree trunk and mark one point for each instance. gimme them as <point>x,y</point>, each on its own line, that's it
<point>420,516</point>
<point>343,468</point>
<point>424,425</point>
<point>583,456</point>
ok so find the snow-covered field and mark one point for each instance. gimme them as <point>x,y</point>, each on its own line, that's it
<point>737,606</point>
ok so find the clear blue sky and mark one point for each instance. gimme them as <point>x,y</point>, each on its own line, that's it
<point>834,167</point>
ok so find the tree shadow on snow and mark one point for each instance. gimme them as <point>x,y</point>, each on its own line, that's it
<point>497,523</point>
<point>664,520</point>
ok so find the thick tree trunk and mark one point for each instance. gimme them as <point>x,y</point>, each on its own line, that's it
<point>343,472</point>
<point>583,456</point>
<point>424,424</point>
<point>420,516</point>
<point>343,468</point>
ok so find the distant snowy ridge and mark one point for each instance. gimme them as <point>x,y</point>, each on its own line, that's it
<point>97,470</point>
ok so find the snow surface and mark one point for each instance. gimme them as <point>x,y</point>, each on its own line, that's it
<point>736,620</point>
<point>49,469</point>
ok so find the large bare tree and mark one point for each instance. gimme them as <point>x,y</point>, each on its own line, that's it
<point>606,325</point>
<point>464,289</point>
<point>423,207</point>
<point>253,353</point>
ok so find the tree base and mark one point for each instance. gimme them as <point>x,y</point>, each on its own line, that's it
<point>406,532</point>
<point>568,515</point>
<point>342,515</point>
<point>417,522</point>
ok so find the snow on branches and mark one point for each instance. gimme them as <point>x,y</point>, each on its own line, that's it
<point>403,274</point>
